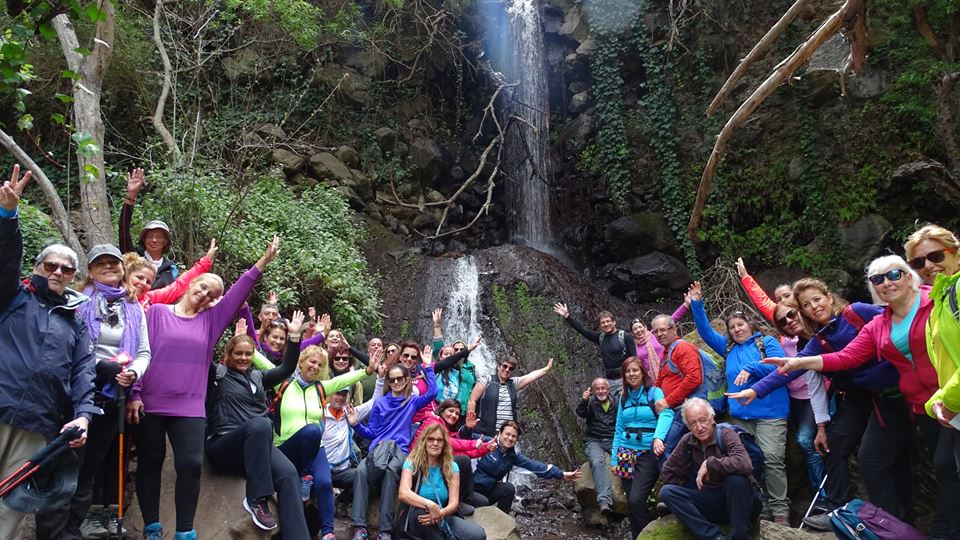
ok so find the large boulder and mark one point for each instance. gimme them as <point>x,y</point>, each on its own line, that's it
<point>575,134</point>
<point>670,527</point>
<point>386,138</point>
<point>221,515</point>
<point>648,277</point>
<point>348,156</point>
<point>247,64</point>
<point>353,85</point>
<point>586,492</point>
<point>863,241</point>
<point>498,525</point>
<point>638,234</point>
<point>288,161</point>
<point>329,167</point>
<point>427,159</point>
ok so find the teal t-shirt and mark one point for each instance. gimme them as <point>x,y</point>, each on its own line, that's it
<point>900,332</point>
<point>433,488</point>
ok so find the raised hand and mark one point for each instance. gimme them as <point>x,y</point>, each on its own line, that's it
<point>325,324</point>
<point>476,343</point>
<point>373,365</point>
<point>134,184</point>
<point>426,356</point>
<point>273,248</point>
<point>586,394</point>
<point>437,317</point>
<point>561,309</point>
<point>212,250</point>
<point>12,189</point>
<point>272,296</point>
<point>351,413</point>
<point>696,291</point>
<point>240,328</point>
<point>741,268</point>
<point>295,324</point>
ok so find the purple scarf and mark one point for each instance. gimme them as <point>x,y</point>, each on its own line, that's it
<point>132,315</point>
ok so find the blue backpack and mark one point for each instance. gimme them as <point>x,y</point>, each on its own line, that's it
<point>750,443</point>
<point>861,520</point>
<point>714,383</point>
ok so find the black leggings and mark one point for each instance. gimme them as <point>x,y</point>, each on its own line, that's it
<point>186,438</point>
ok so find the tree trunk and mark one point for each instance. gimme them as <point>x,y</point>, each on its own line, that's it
<point>98,228</point>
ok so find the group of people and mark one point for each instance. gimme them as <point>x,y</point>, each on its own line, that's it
<point>864,378</point>
<point>282,406</point>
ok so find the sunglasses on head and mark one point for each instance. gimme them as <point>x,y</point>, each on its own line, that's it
<point>892,275</point>
<point>789,316</point>
<point>936,257</point>
<point>65,269</point>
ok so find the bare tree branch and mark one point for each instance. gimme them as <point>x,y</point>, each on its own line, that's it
<point>157,118</point>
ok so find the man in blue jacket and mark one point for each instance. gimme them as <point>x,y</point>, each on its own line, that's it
<point>45,353</point>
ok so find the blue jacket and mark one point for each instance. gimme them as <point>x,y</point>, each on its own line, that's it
<point>637,425</point>
<point>837,333</point>
<point>745,356</point>
<point>46,360</point>
<point>492,467</point>
<point>391,415</point>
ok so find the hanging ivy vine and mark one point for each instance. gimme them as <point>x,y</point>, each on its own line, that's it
<point>660,111</point>
<point>612,152</point>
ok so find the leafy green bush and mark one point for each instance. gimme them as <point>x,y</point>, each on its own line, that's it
<point>319,262</point>
<point>38,232</point>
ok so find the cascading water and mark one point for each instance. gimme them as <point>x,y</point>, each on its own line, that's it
<point>461,313</point>
<point>527,142</point>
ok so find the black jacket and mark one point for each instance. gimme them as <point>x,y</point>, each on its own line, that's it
<point>600,424</point>
<point>613,349</point>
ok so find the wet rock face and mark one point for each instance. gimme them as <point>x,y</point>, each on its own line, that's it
<point>648,278</point>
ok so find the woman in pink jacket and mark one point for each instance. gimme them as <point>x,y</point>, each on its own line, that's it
<point>899,336</point>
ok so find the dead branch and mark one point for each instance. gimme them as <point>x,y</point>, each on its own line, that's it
<point>157,119</point>
<point>61,219</point>
<point>920,19</point>
<point>758,50</point>
<point>931,172</point>
<point>850,16</point>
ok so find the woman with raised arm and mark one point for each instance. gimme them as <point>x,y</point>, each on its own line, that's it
<point>430,486</point>
<point>899,335</point>
<point>171,394</point>
<point>743,348</point>
<point>155,239</point>
<point>240,434</point>
<point>141,274</point>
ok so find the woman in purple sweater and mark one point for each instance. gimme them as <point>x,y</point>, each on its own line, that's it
<point>173,391</point>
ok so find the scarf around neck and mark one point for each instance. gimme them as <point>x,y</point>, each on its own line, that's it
<point>93,312</point>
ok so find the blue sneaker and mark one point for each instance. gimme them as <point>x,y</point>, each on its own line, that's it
<point>306,484</point>
<point>153,531</point>
<point>186,535</point>
<point>360,533</point>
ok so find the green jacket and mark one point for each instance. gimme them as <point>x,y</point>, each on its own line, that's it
<point>468,377</point>
<point>943,344</point>
<point>301,406</point>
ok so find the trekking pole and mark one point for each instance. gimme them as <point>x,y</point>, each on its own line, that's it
<point>121,402</point>
<point>814,501</point>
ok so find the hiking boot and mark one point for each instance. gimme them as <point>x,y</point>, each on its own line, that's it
<point>663,509</point>
<point>153,531</point>
<point>186,535</point>
<point>360,533</point>
<point>306,484</point>
<point>92,528</point>
<point>467,509</point>
<point>384,536</point>
<point>260,512</point>
<point>821,522</point>
<point>782,520</point>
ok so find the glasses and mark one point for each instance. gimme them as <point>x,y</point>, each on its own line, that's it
<point>391,350</point>
<point>892,275</point>
<point>457,349</point>
<point>507,367</point>
<point>434,440</point>
<point>408,355</point>
<point>65,269</point>
<point>393,380</point>
<point>789,316</point>
<point>341,358</point>
<point>106,261</point>
<point>936,257</point>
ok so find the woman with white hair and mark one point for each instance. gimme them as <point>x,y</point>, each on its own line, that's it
<point>899,335</point>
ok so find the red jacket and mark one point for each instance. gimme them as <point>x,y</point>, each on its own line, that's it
<point>764,304</point>
<point>464,447</point>
<point>677,387</point>
<point>918,379</point>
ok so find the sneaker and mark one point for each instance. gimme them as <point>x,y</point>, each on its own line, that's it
<point>384,536</point>
<point>153,531</point>
<point>467,509</point>
<point>111,522</point>
<point>360,533</point>
<point>260,512</point>
<point>663,509</point>
<point>782,520</point>
<point>186,535</point>
<point>92,528</point>
<point>821,522</point>
<point>306,484</point>
<point>329,536</point>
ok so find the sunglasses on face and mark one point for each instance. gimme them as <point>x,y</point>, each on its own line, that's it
<point>457,349</point>
<point>507,367</point>
<point>936,257</point>
<point>391,351</point>
<point>408,355</point>
<point>65,269</point>
<point>789,316</point>
<point>393,380</point>
<point>341,359</point>
<point>892,275</point>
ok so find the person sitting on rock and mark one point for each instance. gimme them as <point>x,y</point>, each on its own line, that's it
<point>496,397</point>
<point>155,238</point>
<point>494,467</point>
<point>615,345</point>
<point>599,409</point>
<point>676,385</point>
<point>240,434</point>
<point>722,488</point>
<point>338,434</point>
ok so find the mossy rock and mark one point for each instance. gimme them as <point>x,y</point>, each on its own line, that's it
<point>666,528</point>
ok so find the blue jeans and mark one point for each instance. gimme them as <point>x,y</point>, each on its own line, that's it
<point>736,502</point>
<point>677,429</point>
<point>304,450</point>
<point>801,414</point>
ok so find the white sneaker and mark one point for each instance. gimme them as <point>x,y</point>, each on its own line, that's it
<point>92,528</point>
<point>111,526</point>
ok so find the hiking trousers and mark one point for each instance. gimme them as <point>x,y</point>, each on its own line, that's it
<point>186,438</point>
<point>939,443</point>
<point>16,447</point>
<point>736,502</point>
<point>304,449</point>
<point>771,437</point>
<point>598,454</point>
<point>638,488</point>
<point>884,457</point>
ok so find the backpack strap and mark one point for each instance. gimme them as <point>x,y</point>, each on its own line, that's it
<point>761,346</point>
<point>718,429</point>
<point>275,403</point>
<point>623,344</point>
<point>952,300</point>
<point>673,367</point>
<point>651,402</point>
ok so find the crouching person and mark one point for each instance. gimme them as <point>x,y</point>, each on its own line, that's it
<point>240,435</point>
<point>708,479</point>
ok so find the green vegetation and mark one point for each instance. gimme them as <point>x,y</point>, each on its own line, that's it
<point>530,327</point>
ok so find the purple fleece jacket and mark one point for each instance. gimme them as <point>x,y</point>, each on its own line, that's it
<point>391,417</point>
<point>176,381</point>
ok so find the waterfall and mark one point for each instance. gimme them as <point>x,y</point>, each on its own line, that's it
<point>526,147</point>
